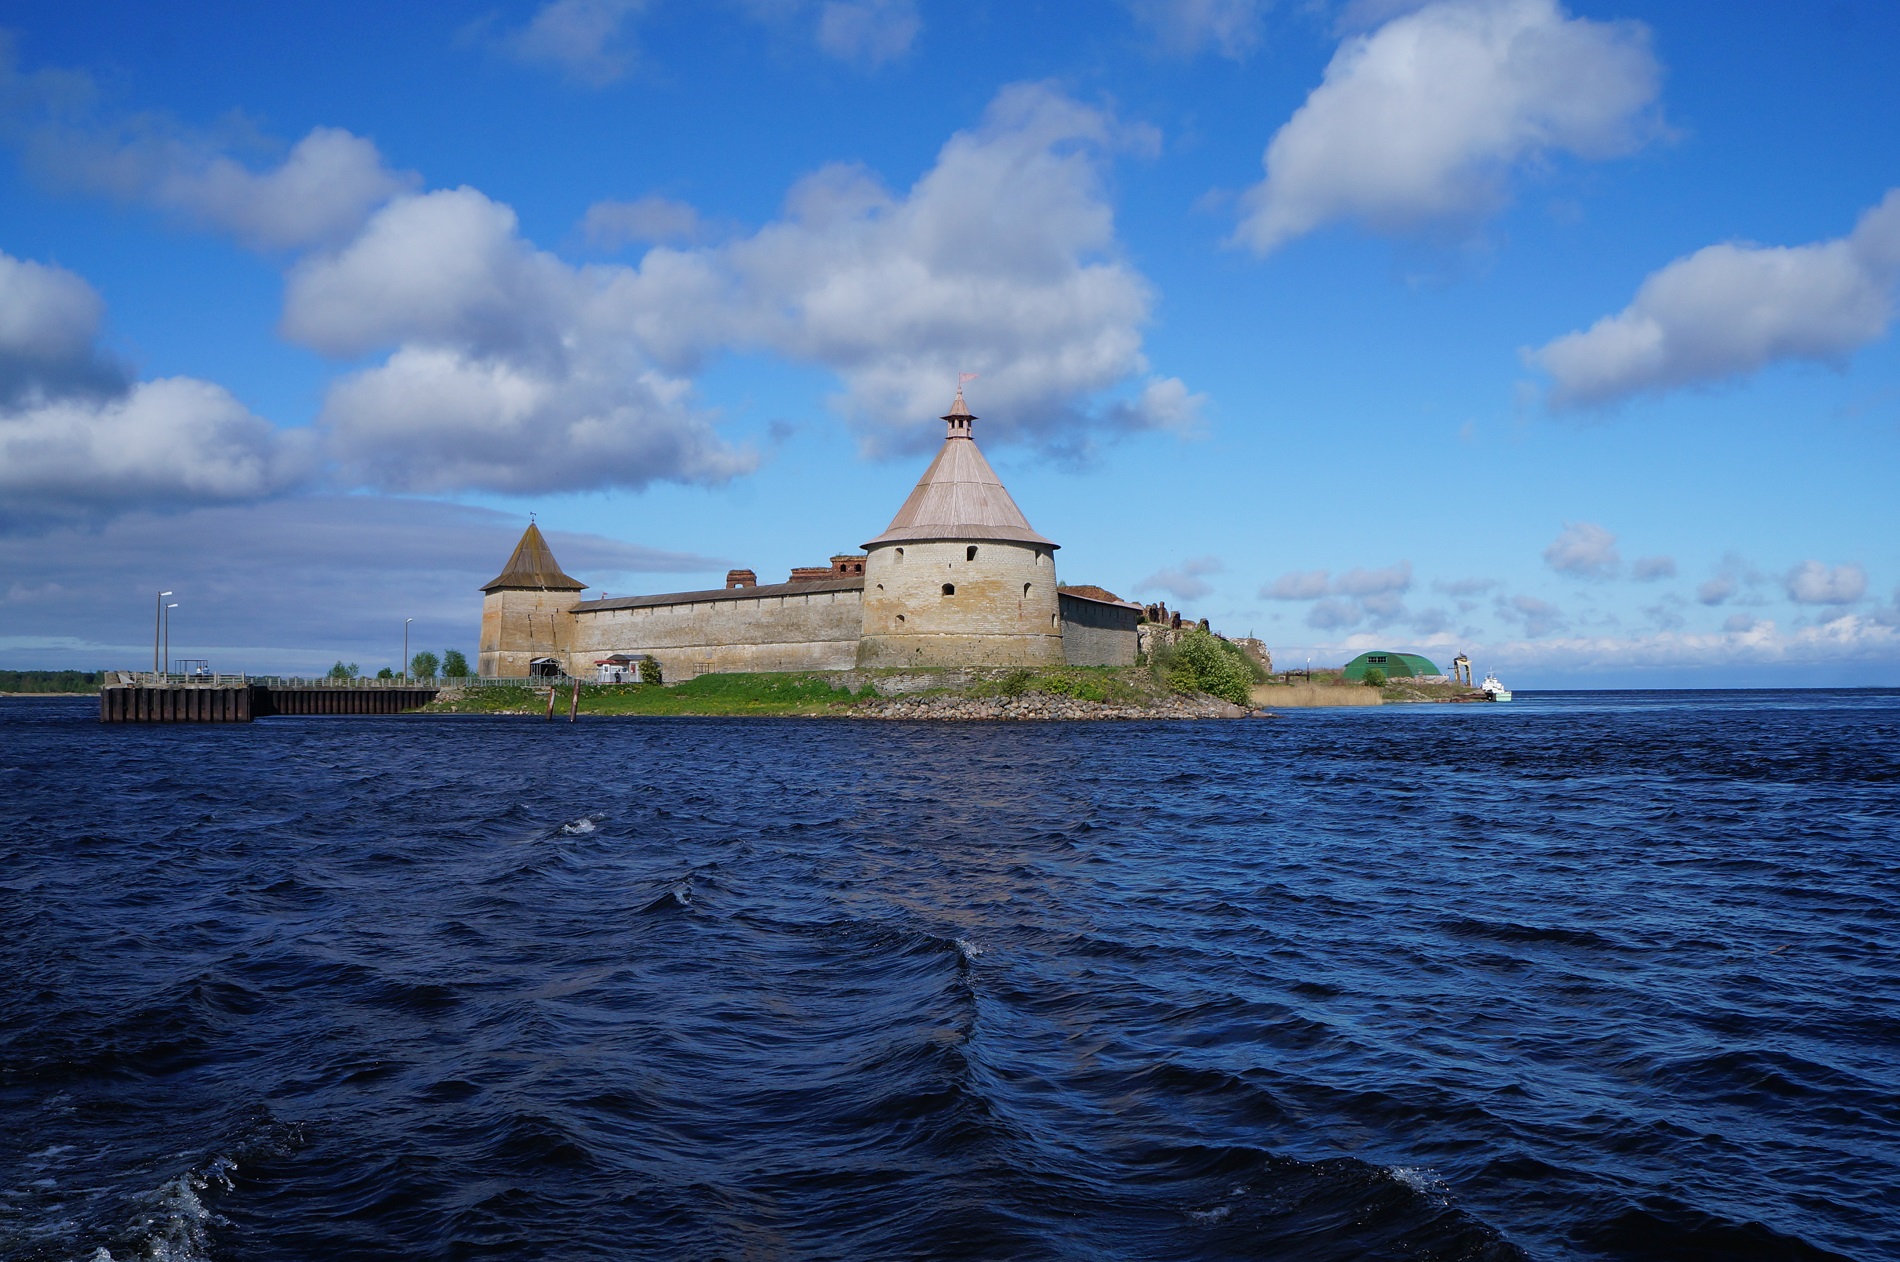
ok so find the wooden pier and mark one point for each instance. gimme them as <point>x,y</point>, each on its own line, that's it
<point>228,699</point>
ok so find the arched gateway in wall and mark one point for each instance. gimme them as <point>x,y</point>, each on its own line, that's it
<point>957,579</point>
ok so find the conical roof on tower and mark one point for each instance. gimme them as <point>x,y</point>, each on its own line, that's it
<point>959,496</point>
<point>533,568</point>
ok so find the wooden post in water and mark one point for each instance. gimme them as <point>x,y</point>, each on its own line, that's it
<point>552,692</point>
<point>574,706</point>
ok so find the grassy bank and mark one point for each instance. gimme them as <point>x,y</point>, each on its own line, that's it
<point>803,694</point>
<point>707,694</point>
<point>1110,684</point>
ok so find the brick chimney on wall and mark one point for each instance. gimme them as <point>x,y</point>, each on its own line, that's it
<point>840,567</point>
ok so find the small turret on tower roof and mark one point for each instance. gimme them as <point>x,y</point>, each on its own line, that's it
<point>958,417</point>
<point>960,496</point>
<point>533,568</point>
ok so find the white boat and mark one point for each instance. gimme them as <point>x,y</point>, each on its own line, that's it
<point>1493,689</point>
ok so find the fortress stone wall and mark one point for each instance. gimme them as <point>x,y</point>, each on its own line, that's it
<point>1097,632</point>
<point>786,626</point>
<point>958,579</point>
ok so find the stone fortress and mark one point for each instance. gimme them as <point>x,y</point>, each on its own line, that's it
<point>958,579</point>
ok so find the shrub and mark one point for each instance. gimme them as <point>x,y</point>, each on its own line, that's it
<point>1203,662</point>
<point>650,672</point>
<point>1016,683</point>
<point>454,665</point>
<point>1375,678</point>
<point>385,673</point>
<point>423,665</point>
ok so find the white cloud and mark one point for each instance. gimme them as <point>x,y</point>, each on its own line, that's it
<point>611,225</point>
<point>49,320</point>
<point>1001,260</point>
<point>593,42</point>
<point>443,267</point>
<point>318,193</point>
<point>1421,122</point>
<point>321,192</point>
<point>1812,583</point>
<point>288,584</point>
<point>1393,578</point>
<point>1731,576</point>
<point>1730,310</point>
<point>78,438</point>
<point>1653,569</point>
<point>1358,595</point>
<point>1233,28</point>
<point>1850,648</point>
<point>1464,586</point>
<point>169,442</point>
<point>585,40</point>
<point>1304,585</point>
<point>1584,549</point>
<point>869,32</point>
<point>1185,581</point>
<point>1744,642</point>
<point>1666,613</point>
<point>1537,617</point>
<point>512,370</point>
<point>1332,615</point>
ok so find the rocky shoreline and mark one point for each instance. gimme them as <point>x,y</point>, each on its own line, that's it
<point>1039,706</point>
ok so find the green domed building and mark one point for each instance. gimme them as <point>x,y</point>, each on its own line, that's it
<point>1395,665</point>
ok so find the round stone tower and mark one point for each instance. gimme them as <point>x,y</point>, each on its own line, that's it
<point>959,578</point>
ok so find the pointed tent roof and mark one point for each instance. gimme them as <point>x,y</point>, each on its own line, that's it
<point>959,496</point>
<point>533,568</point>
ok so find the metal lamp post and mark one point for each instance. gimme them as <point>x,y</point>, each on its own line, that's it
<point>405,648</point>
<point>158,613</point>
<point>168,635</point>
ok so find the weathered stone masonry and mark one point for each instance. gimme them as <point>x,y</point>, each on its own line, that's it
<point>958,579</point>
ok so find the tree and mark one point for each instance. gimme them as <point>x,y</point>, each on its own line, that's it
<point>385,673</point>
<point>1203,662</point>
<point>423,664</point>
<point>454,665</point>
<point>650,671</point>
<point>1375,678</point>
<point>340,671</point>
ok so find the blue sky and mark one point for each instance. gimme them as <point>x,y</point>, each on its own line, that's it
<point>1559,335</point>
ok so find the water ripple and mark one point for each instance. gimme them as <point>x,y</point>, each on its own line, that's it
<point>1596,976</point>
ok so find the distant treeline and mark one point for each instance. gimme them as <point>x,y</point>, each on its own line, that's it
<point>51,680</point>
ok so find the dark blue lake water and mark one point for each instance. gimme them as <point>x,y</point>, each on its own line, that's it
<point>1583,976</point>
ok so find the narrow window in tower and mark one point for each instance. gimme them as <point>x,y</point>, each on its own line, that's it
<point>1025,591</point>
<point>949,589</point>
<point>969,553</point>
<point>900,617</point>
<point>900,556</point>
<point>1055,622</point>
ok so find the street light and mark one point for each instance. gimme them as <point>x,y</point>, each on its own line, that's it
<point>405,648</point>
<point>168,635</point>
<point>158,612</point>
